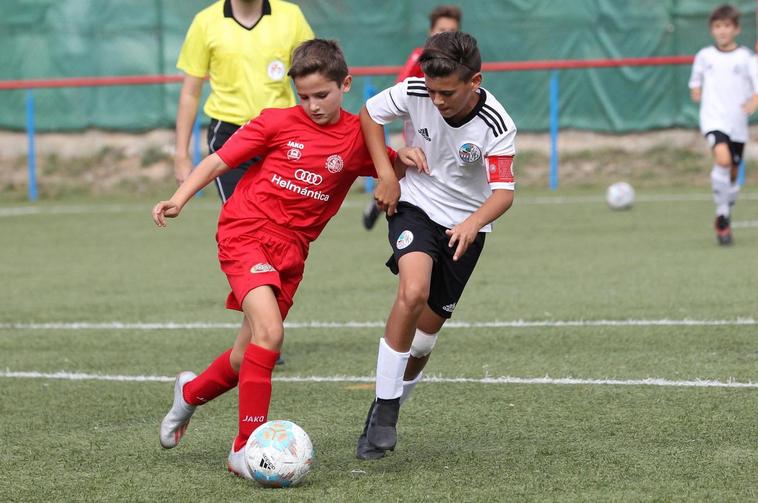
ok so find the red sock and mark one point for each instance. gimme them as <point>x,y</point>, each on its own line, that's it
<point>254,390</point>
<point>217,379</point>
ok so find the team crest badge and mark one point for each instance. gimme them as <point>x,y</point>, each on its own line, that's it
<point>468,153</point>
<point>293,154</point>
<point>334,163</point>
<point>404,239</point>
<point>275,70</point>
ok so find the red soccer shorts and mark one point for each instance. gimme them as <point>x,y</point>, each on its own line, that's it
<point>266,256</point>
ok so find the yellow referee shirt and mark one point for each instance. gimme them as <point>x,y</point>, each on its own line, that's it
<point>247,67</point>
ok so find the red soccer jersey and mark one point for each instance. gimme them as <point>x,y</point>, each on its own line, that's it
<point>411,68</point>
<point>306,172</point>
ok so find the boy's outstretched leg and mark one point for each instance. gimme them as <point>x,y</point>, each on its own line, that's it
<point>394,349</point>
<point>262,311</point>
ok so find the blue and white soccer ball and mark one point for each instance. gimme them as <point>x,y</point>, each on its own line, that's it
<point>620,196</point>
<point>279,454</point>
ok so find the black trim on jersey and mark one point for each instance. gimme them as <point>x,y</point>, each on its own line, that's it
<point>493,127</point>
<point>393,100</point>
<point>727,52</point>
<point>420,95</point>
<point>473,113</point>
<point>265,11</point>
<point>411,80</point>
<point>497,115</point>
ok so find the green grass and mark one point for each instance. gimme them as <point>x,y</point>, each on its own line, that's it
<point>87,440</point>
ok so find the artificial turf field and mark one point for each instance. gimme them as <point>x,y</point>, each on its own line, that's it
<point>595,356</point>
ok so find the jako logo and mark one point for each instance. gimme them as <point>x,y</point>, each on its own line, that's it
<point>254,419</point>
<point>295,144</point>
<point>308,177</point>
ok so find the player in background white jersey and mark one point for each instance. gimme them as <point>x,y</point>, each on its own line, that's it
<point>724,81</point>
<point>446,208</point>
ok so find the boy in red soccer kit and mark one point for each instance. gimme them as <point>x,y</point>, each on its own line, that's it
<point>312,154</point>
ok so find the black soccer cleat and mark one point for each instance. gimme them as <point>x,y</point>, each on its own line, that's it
<point>370,215</point>
<point>723,230</point>
<point>382,424</point>
<point>364,450</point>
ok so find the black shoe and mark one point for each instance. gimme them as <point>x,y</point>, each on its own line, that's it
<point>382,425</point>
<point>364,450</point>
<point>723,230</point>
<point>370,215</point>
<point>280,360</point>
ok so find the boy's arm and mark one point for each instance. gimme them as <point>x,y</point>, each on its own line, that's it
<point>387,191</point>
<point>211,167</point>
<point>696,78</point>
<point>465,232</point>
<point>186,112</point>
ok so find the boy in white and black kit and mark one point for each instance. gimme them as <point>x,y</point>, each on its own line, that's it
<point>725,82</point>
<point>437,231</point>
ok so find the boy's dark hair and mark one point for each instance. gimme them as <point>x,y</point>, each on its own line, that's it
<point>725,13</point>
<point>451,52</point>
<point>319,56</point>
<point>451,11</point>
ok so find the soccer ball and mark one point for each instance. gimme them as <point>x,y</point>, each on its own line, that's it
<point>279,454</point>
<point>620,196</point>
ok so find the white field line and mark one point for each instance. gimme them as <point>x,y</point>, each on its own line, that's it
<point>547,380</point>
<point>117,325</point>
<point>745,224</point>
<point>27,210</point>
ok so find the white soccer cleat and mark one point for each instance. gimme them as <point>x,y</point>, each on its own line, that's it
<point>175,423</point>
<point>237,464</point>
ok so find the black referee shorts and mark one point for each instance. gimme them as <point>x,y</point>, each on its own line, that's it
<point>218,133</point>
<point>411,230</point>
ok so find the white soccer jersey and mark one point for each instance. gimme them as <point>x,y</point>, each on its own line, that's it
<point>457,183</point>
<point>728,80</point>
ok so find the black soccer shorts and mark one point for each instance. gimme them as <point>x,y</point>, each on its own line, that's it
<point>411,230</point>
<point>736,149</point>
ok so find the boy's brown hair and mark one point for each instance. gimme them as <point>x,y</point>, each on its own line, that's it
<point>725,13</point>
<point>451,53</point>
<point>450,11</point>
<point>319,56</point>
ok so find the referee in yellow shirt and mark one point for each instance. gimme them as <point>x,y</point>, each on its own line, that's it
<point>245,47</point>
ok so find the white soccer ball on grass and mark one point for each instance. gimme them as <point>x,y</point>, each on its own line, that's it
<point>279,454</point>
<point>620,196</point>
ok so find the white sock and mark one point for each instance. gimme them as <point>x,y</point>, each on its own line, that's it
<point>408,387</point>
<point>390,366</point>
<point>722,188</point>
<point>734,191</point>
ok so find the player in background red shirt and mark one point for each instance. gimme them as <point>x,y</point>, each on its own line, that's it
<point>312,154</point>
<point>443,18</point>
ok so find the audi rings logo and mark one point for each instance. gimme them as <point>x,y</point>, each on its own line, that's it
<point>308,177</point>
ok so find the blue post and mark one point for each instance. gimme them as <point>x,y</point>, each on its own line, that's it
<point>554,130</point>
<point>196,147</point>
<point>369,91</point>
<point>32,156</point>
<point>741,174</point>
